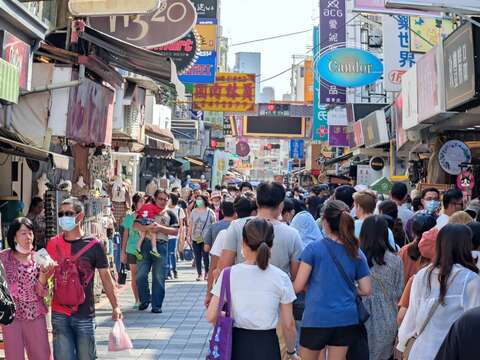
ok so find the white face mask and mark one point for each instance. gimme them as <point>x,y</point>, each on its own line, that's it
<point>22,250</point>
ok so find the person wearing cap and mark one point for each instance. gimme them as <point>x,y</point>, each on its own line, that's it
<point>216,200</point>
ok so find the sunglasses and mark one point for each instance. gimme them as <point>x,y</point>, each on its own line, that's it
<point>66,213</point>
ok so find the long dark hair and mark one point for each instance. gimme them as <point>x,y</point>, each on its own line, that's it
<point>453,246</point>
<point>135,199</point>
<point>258,236</point>
<point>421,223</point>
<point>206,203</point>
<point>389,208</point>
<point>374,239</point>
<point>337,215</point>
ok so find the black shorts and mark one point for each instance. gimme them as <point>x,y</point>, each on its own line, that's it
<point>317,339</point>
<point>131,259</point>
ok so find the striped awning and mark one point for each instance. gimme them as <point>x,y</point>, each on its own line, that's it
<point>9,82</point>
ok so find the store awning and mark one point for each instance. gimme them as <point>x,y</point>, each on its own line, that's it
<point>160,139</point>
<point>17,148</point>
<point>125,55</point>
<point>195,161</point>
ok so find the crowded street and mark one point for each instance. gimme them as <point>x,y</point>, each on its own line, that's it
<point>239,179</point>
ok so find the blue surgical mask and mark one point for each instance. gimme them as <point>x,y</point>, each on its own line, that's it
<point>67,223</point>
<point>433,206</point>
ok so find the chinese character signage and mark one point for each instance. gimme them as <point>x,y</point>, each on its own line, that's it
<point>206,9</point>
<point>231,92</point>
<point>308,84</point>
<point>332,34</point>
<point>459,59</point>
<point>397,55</point>
<point>297,149</point>
<point>338,136</point>
<point>320,123</point>
<point>16,52</point>
<point>207,35</point>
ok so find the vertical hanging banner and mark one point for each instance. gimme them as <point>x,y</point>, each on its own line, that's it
<point>397,55</point>
<point>333,34</point>
<point>320,120</point>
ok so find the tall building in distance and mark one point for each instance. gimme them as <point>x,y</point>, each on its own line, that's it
<point>267,95</point>
<point>251,63</point>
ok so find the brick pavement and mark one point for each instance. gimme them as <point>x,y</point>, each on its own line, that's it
<point>179,333</point>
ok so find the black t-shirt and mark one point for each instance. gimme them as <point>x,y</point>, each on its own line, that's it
<point>94,258</point>
<point>462,340</point>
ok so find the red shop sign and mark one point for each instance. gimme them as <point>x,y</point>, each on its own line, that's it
<point>16,52</point>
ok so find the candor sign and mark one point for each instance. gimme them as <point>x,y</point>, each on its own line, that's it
<point>170,22</point>
<point>350,67</point>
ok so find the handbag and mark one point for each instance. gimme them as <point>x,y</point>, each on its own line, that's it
<point>221,342</point>
<point>122,275</point>
<point>188,253</point>
<point>202,236</point>
<point>411,340</point>
<point>363,314</point>
<point>7,304</point>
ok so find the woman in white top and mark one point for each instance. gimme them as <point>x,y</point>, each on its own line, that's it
<point>258,292</point>
<point>452,281</point>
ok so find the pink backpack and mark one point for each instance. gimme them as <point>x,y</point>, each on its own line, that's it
<point>69,290</point>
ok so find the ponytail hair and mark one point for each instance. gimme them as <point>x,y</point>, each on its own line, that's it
<point>337,215</point>
<point>258,236</point>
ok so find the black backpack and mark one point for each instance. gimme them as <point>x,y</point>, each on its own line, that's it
<point>7,305</point>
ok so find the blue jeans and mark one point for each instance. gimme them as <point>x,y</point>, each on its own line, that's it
<point>171,263</point>
<point>73,337</point>
<point>157,265</point>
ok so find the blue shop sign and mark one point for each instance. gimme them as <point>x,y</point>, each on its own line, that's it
<point>349,67</point>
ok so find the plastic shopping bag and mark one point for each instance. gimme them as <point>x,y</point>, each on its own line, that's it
<point>118,339</point>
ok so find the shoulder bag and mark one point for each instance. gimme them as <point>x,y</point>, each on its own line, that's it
<point>7,304</point>
<point>363,314</point>
<point>221,342</point>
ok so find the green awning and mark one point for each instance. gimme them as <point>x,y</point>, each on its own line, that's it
<point>9,82</point>
<point>185,164</point>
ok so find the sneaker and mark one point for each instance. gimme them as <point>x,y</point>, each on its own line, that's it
<point>143,306</point>
<point>205,277</point>
<point>175,274</point>
<point>199,278</point>
<point>157,311</point>
<point>138,255</point>
<point>155,253</point>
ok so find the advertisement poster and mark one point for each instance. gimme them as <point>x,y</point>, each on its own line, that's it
<point>203,71</point>
<point>333,34</point>
<point>231,92</point>
<point>425,32</point>
<point>17,52</point>
<point>430,85</point>
<point>397,55</point>
<point>338,136</point>
<point>320,120</point>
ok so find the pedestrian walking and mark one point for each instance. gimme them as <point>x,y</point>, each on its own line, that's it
<point>201,219</point>
<point>389,209</point>
<point>166,223</point>
<point>331,319</point>
<point>228,211</point>
<point>386,272</point>
<point>399,195</point>
<point>440,294</point>
<point>129,244</point>
<point>306,226</point>
<point>171,260</point>
<point>475,227</point>
<point>73,304</point>
<point>262,297</point>
<point>28,284</point>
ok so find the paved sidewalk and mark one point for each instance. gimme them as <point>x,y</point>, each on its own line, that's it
<point>180,333</point>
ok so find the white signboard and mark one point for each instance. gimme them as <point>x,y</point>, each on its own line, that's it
<point>338,116</point>
<point>366,175</point>
<point>461,6</point>
<point>410,99</point>
<point>112,7</point>
<point>397,55</point>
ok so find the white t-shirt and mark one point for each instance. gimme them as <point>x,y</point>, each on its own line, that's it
<point>257,295</point>
<point>442,220</point>
<point>219,243</point>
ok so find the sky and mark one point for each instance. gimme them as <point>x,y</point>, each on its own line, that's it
<point>244,20</point>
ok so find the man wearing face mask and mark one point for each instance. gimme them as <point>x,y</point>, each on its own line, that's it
<point>430,199</point>
<point>74,325</point>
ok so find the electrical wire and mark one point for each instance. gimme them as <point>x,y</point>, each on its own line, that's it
<point>271,37</point>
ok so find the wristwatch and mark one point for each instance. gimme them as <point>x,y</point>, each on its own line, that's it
<point>292,353</point>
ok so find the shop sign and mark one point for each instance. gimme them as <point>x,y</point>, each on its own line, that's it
<point>397,55</point>
<point>377,163</point>
<point>338,136</point>
<point>274,109</point>
<point>332,34</point>
<point>17,52</point>
<point>170,22</point>
<point>466,180</point>
<point>459,59</point>
<point>378,7</point>
<point>357,134</point>
<point>242,148</point>
<point>308,81</point>
<point>338,116</point>
<point>203,71</point>
<point>374,129</point>
<point>111,7</point>
<point>463,6</point>
<point>366,176</point>
<point>452,155</point>
<point>231,92</point>
<point>410,99</point>
<point>207,35</point>
<point>183,52</point>
<point>297,149</point>
<point>206,9</point>
<point>274,126</point>
<point>320,123</point>
<point>349,67</point>
<point>9,80</point>
<point>425,33</point>
<point>397,116</point>
<point>430,84</point>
